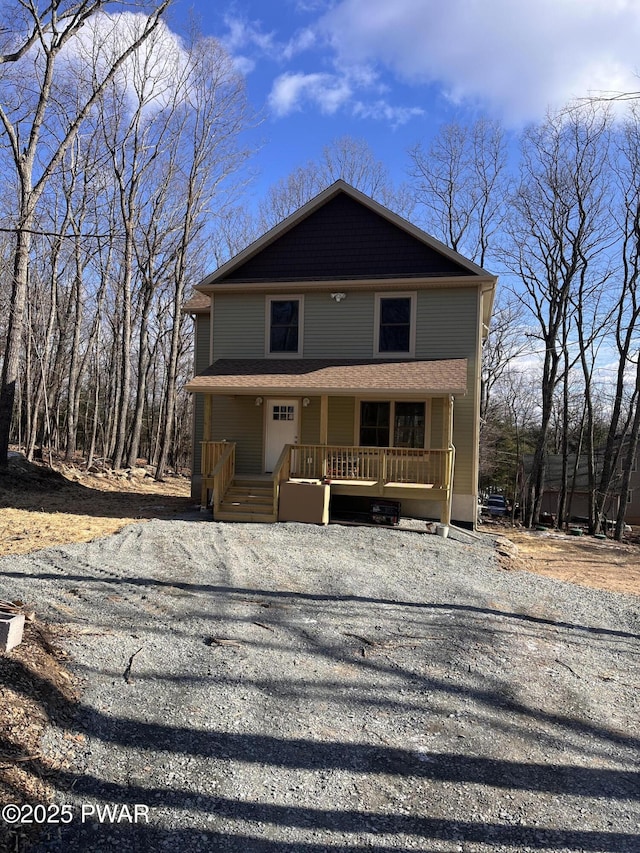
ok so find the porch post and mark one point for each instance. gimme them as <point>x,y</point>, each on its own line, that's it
<point>447,431</point>
<point>324,431</point>
<point>206,430</point>
<point>205,452</point>
<point>324,419</point>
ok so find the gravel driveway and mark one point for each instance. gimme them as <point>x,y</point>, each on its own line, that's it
<point>302,689</point>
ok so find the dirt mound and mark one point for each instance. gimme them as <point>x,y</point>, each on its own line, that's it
<point>20,476</point>
<point>41,506</point>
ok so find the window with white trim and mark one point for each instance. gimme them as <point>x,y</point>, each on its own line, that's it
<point>395,319</point>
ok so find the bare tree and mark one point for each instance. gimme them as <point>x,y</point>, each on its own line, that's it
<point>208,155</point>
<point>461,184</point>
<point>505,342</point>
<point>346,158</point>
<point>134,124</point>
<point>41,34</point>
<point>557,230</point>
<point>622,432</point>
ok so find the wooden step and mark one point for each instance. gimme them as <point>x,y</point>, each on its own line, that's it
<point>248,501</point>
<point>246,517</point>
<point>245,506</point>
<point>236,494</point>
<point>252,484</point>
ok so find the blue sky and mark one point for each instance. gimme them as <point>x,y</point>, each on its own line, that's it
<point>392,71</point>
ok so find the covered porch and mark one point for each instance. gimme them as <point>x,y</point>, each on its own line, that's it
<point>374,429</point>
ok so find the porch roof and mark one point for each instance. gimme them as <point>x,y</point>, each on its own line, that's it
<point>340,377</point>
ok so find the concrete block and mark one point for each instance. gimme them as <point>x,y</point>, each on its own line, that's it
<point>11,628</point>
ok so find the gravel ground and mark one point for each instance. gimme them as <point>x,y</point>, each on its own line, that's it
<point>302,689</point>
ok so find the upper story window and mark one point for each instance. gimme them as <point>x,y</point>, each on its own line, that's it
<point>395,318</point>
<point>284,325</point>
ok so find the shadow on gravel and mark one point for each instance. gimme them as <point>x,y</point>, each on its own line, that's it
<point>363,758</point>
<point>147,837</point>
<point>313,755</point>
<point>152,838</point>
<point>320,598</point>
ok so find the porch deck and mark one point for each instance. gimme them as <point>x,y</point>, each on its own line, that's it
<point>389,472</point>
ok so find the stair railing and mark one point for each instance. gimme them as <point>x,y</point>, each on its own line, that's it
<point>222,475</point>
<point>280,474</point>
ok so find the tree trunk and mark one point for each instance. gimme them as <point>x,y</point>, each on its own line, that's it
<point>11,363</point>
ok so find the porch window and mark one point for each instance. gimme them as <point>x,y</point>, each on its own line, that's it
<point>409,425</point>
<point>395,324</point>
<point>284,327</point>
<point>408,421</point>
<point>374,424</point>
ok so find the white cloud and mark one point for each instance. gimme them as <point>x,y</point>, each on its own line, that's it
<point>243,34</point>
<point>332,92</point>
<point>328,91</point>
<point>383,111</point>
<point>151,75</point>
<point>246,35</point>
<point>291,91</point>
<point>517,57</point>
<point>303,40</point>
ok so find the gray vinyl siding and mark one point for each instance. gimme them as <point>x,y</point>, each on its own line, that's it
<point>310,425</point>
<point>464,414</point>
<point>239,419</point>
<point>446,322</point>
<point>341,421</point>
<point>437,433</point>
<point>238,325</point>
<point>331,329</point>
<point>447,327</point>
<point>198,431</point>
<point>203,335</point>
<point>338,329</point>
<point>201,344</point>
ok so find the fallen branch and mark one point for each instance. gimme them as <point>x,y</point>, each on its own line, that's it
<point>127,673</point>
<point>35,757</point>
<point>566,665</point>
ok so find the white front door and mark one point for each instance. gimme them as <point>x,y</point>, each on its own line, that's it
<point>281,429</point>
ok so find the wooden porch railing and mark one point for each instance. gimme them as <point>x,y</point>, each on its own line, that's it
<point>383,465</point>
<point>281,473</point>
<point>223,474</point>
<point>211,453</point>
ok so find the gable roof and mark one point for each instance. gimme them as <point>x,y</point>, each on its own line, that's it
<point>343,235</point>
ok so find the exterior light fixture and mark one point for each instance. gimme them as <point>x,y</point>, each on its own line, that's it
<point>258,401</point>
<point>305,401</point>
<point>338,296</point>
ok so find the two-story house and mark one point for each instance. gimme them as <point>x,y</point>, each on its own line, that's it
<point>344,346</point>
